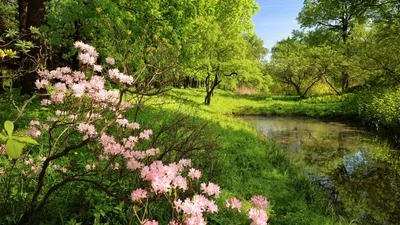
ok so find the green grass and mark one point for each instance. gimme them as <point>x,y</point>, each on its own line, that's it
<point>225,102</point>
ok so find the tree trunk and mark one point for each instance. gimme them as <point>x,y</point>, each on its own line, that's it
<point>210,90</point>
<point>35,18</point>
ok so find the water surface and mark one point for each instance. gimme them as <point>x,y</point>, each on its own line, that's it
<point>359,171</point>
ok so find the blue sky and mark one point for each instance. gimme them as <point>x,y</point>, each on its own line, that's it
<point>276,19</point>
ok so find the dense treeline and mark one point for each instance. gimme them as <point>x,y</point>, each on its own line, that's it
<point>342,46</point>
<point>205,42</point>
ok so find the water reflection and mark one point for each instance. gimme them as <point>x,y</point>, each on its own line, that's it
<point>361,174</point>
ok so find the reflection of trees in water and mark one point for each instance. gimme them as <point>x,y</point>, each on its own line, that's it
<point>361,176</point>
<point>362,184</point>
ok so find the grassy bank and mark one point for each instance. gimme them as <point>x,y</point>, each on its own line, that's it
<point>247,163</point>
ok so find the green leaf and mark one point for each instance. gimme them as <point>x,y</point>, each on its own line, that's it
<point>3,138</point>
<point>9,126</point>
<point>26,139</point>
<point>14,148</point>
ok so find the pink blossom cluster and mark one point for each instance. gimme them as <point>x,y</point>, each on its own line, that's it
<point>234,203</point>
<point>34,131</point>
<point>41,84</point>
<point>194,174</point>
<point>260,202</point>
<point>58,167</point>
<point>118,76</point>
<point>110,60</point>
<point>258,214</point>
<point>125,123</point>
<point>148,222</point>
<point>133,157</point>
<point>88,129</point>
<point>165,177</point>
<point>146,134</point>
<point>138,194</point>
<point>88,56</point>
<point>76,84</point>
<point>194,208</point>
<point>90,166</point>
<point>210,189</point>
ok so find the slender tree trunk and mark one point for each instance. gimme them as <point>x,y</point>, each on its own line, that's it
<point>210,90</point>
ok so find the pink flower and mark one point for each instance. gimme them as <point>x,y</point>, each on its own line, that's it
<point>148,222</point>
<point>258,216</point>
<point>133,164</point>
<point>133,126</point>
<point>185,163</point>
<point>180,182</point>
<point>34,123</point>
<point>194,174</point>
<point>146,134</point>
<point>138,194</point>
<point>212,207</point>
<point>173,222</point>
<point>29,161</point>
<point>260,202</point>
<point>97,68</point>
<point>86,58</point>
<point>116,166</point>
<point>58,113</point>
<point>88,129</point>
<point>122,122</point>
<point>110,60</point>
<point>96,83</point>
<point>65,70</point>
<point>60,87</point>
<point>152,151</point>
<point>36,169</point>
<point>34,132</point>
<point>210,189</point>
<point>78,75</point>
<point>45,102</point>
<point>131,142</point>
<point>41,84</point>
<point>234,203</point>
<point>78,89</point>
<point>116,75</point>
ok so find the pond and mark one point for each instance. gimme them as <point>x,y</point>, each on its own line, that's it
<point>358,170</point>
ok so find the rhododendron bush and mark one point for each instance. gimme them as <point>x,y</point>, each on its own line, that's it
<point>87,138</point>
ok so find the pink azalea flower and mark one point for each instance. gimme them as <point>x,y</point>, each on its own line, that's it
<point>258,216</point>
<point>148,222</point>
<point>138,194</point>
<point>110,60</point>
<point>45,102</point>
<point>194,174</point>
<point>234,203</point>
<point>260,202</point>
<point>210,189</point>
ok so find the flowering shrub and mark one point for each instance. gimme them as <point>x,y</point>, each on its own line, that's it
<point>88,138</point>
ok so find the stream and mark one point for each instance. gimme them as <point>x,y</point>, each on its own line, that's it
<point>359,171</point>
